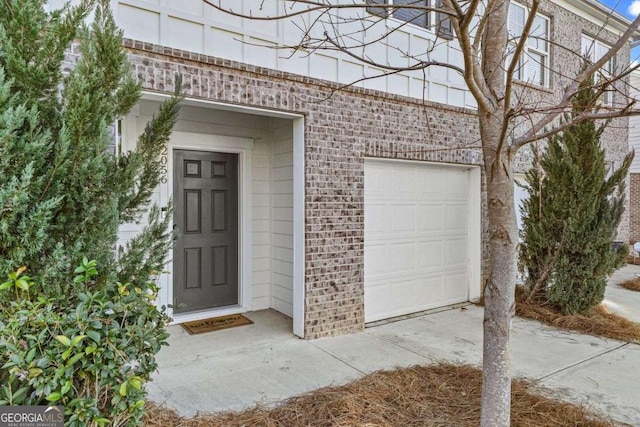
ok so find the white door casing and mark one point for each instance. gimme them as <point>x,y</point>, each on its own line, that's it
<point>222,144</point>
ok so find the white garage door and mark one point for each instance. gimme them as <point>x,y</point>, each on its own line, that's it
<point>416,237</point>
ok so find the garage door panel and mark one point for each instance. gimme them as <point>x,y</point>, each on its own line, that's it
<point>455,253</point>
<point>429,218</point>
<point>405,294</point>
<point>429,188</point>
<point>430,288</point>
<point>429,255</point>
<point>377,222</point>
<point>456,217</point>
<point>375,300</point>
<point>454,288</point>
<point>416,237</point>
<point>402,294</point>
<point>403,180</point>
<point>376,261</point>
<point>457,185</point>
<point>377,182</point>
<point>430,182</point>
<point>402,257</point>
<point>402,218</point>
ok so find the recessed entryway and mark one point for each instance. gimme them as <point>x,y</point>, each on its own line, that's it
<point>422,237</point>
<point>235,177</point>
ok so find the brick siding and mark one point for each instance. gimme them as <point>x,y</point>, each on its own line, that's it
<point>341,129</point>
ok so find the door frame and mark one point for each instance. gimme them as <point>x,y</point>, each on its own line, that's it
<point>219,144</point>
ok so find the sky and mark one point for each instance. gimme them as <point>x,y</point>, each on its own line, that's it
<point>630,9</point>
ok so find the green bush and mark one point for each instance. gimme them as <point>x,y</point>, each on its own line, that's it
<point>92,353</point>
<point>571,217</point>
<point>63,191</point>
<point>88,342</point>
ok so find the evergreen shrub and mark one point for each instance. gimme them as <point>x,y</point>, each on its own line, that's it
<point>571,216</point>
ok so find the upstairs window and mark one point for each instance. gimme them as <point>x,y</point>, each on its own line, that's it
<point>414,16</point>
<point>438,22</point>
<point>533,64</point>
<point>593,50</point>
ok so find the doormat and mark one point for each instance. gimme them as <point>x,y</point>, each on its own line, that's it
<point>215,324</point>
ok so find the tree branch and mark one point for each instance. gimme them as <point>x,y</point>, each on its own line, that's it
<point>627,111</point>
<point>574,88</point>
<point>471,72</point>
<point>314,6</point>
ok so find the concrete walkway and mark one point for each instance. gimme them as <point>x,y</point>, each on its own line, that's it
<point>621,300</point>
<point>264,363</point>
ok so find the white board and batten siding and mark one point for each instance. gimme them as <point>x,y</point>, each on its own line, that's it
<point>194,26</point>
<point>421,237</point>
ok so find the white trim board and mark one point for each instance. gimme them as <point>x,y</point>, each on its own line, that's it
<point>298,227</point>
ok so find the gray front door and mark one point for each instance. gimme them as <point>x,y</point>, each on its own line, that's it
<point>205,257</point>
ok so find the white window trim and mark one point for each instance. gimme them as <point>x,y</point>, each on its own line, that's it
<point>607,96</point>
<point>545,54</point>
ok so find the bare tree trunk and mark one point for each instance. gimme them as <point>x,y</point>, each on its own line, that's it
<point>499,294</point>
<point>500,290</point>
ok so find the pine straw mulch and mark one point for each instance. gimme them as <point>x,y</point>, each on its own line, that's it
<point>598,322</point>
<point>632,285</point>
<point>436,395</point>
<point>633,261</point>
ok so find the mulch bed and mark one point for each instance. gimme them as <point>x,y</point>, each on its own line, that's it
<point>632,285</point>
<point>599,321</point>
<point>436,395</point>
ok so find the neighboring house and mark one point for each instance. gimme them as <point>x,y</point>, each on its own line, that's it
<point>634,171</point>
<point>334,210</point>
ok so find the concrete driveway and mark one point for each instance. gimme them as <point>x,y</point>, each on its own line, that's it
<point>264,363</point>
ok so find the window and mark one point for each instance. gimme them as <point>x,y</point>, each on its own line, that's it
<point>416,17</point>
<point>533,65</point>
<point>593,50</point>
